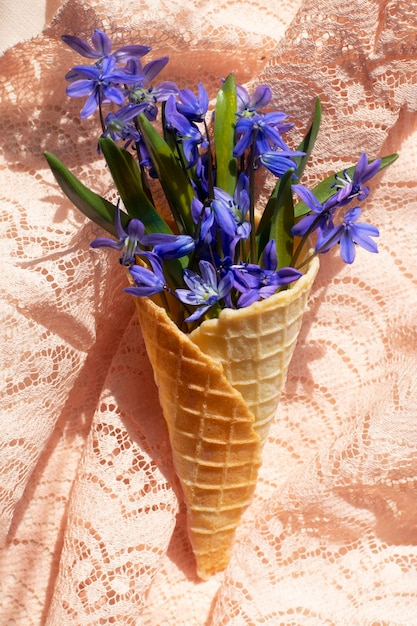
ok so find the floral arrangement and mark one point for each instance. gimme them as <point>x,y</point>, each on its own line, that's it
<point>220,255</point>
<point>219,265</point>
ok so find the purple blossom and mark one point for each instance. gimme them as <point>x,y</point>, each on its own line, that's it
<point>201,184</point>
<point>349,188</point>
<point>222,211</point>
<point>147,282</point>
<point>203,217</point>
<point>256,283</point>
<point>321,213</point>
<point>167,246</point>
<point>119,126</point>
<point>142,91</point>
<point>205,290</point>
<point>347,234</point>
<point>147,72</point>
<point>98,83</point>
<point>128,239</point>
<point>103,47</point>
<point>279,161</point>
<point>227,213</point>
<point>187,131</point>
<point>265,129</point>
<point>231,212</point>
<point>133,240</point>
<point>248,105</point>
<point>193,107</point>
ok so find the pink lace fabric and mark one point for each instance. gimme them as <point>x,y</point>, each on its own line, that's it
<point>92,523</point>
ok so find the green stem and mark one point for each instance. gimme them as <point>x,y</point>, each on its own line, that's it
<point>305,261</point>
<point>252,236</point>
<point>100,110</point>
<point>210,163</point>
<point>179,152</point>
<point>165,302</point>
<point>180,317</point>
<point>303,241</point>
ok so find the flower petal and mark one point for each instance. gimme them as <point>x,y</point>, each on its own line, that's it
<point>347,248</point>
<point>307,197</point>
<point>198,313</point>
<point>80,88</point>
<point>361,236</point>
<point>261,97</point>
<point>135,51</point>
<point>104,242</point>
<point>153,68</point>
<point>208,273</point>
<point>90,105</point>
<point>83,71</point>
<point>135,229</point>
<point>80,46</point>
<point>101,42</point>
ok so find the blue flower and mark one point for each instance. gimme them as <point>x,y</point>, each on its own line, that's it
<point>247,105</point>
<point>147,282</point>
<point>279,161</point>
<point>133,240</point>
<point>147,72</point>
<point>266,129</point>
<point>231,212</point>
<point>349,188</point>
<point>168,246</point>
<point>129,239</point>
<point>204,291</point>
<point>347,234</point>
<point>193,107</point>
<point>118,124</point>
<point>201,183</point>
<point>142,92</point>
<point>187,132</point>
<point>222,207</point>
<point>103,47</point>
<point>98,83</point>
<point>256,283</point>
<point>227,213</point>
<point>321,213</point>
<point>203,217</point>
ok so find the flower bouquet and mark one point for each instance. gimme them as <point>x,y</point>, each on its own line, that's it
<point>219,282</point>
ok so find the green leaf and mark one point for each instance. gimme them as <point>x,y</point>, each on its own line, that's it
<point>278,219</point>
<point>264,226</point>
<point>96,208</point>
<point>177,188</point>
<point>177,149</point>
<point>324,189</point>
<point>128,180</point>
<point>309,140</point>
<point>283,221</point>
<point>224,135</point>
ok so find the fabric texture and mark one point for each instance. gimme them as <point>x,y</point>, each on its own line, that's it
<point>92,523</point>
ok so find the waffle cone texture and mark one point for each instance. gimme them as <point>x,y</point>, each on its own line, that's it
<point>219,389</point>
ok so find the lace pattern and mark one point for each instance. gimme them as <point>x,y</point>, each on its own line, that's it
<point>92,523</point>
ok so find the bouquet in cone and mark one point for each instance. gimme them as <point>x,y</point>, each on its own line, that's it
<point>220,283</point>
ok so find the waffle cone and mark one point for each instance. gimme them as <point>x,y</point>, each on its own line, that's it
<point>219,388</point>
<point>255,346</point>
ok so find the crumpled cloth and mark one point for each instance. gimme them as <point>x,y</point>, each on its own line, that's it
<point>92,523</point>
